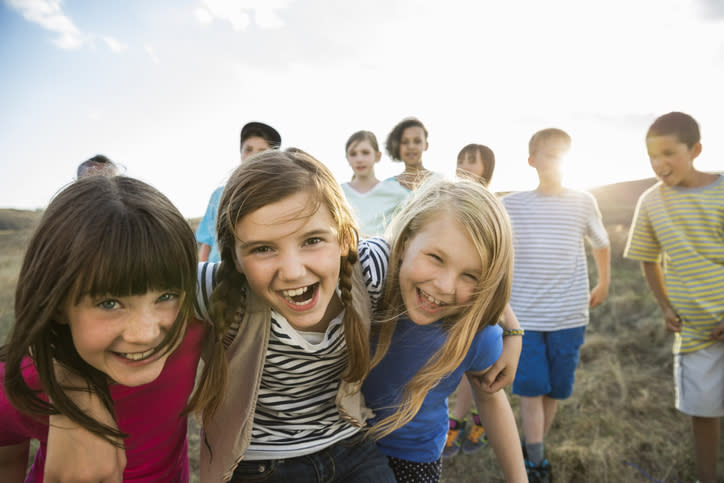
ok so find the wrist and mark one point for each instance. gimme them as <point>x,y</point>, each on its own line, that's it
<point>507,332</point>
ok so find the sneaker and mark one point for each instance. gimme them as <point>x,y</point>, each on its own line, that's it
<point>454,435</point>
<point>539,474</point>
<point>475,437</point>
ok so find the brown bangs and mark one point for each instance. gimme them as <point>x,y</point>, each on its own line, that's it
<point>135,254</point>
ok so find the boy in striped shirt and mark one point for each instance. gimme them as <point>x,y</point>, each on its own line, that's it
<point>680,222</point>
<point>551,295</point>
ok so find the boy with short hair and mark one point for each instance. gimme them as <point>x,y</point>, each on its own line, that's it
<point>255,137</point>
<point>550,293</point>
<point>679,221</point>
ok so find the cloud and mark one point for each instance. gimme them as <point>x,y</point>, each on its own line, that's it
<point>240,13</point>
<point>49,15</point>
<point>115,45</point>
<point>151,53</point>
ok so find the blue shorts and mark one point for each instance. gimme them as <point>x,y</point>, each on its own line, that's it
<point>548,363</point>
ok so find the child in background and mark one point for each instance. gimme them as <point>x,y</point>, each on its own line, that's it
<point>406,142</point>
<point>477,162</point>
<point>373,202</point>
<point>680,219</point>
<point>449,281</point>
<point>550,293</point>
<point>290,290</point>
<point>102,304</point>
<point>255,137</point>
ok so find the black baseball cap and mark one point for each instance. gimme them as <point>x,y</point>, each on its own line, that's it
<point>260,129</point>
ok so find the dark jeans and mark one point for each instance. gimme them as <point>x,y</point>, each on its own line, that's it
<point>352,460</point>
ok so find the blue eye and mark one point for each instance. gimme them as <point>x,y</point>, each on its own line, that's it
<point>109,304</point>
<point>168,296</point>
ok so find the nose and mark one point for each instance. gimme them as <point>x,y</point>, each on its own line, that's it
<point>445,282</point>
<point>143,328</point>
<point>291,267</point>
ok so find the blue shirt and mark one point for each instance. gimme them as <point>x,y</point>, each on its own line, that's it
<point>206,232</point>
<point>422,439</point>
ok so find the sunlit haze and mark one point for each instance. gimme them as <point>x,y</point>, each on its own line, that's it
<point>164,87</point>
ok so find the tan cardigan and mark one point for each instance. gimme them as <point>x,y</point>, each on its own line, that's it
<point>226,436</point>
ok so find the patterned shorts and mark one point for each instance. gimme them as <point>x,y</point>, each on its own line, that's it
<point>411,472</point>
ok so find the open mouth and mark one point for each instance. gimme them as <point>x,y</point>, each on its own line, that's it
<point>428,301</point>
<point>300,296</point>
<point>136,356</point>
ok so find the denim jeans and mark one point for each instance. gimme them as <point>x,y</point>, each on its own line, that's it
<point>353,460</point>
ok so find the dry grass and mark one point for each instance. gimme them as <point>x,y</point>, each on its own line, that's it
<point>619,425</point>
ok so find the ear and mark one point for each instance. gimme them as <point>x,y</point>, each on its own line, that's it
<point>427,145</point>
<point>378,157</point>
<point>531,161</point>
<point>695,151</point>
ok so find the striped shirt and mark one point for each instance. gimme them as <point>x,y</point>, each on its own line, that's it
<point>550,274</point>
<point>684,229</point>
<point>295,412</point>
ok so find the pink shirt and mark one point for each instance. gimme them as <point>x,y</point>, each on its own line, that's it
<point>156,448</point>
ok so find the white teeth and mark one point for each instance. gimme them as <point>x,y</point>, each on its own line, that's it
<point>288,294</point>
<point>431,299</point>
<point>295,291</point>
<point>136,356</point>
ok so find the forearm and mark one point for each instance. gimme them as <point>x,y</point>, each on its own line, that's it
<point>14,461</point>
<point>509,321</point>
<point>498,420</point>
<point>602,259</point>
<point>654,276</point>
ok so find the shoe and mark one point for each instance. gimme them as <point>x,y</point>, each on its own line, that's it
<point>539,474</point>
<point>454,435</point>
<point>475,437</point>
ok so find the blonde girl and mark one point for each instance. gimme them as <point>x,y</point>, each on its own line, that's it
<point>290,294</point>
<point>373,201</point>
<point>103,302</point>
<point>448,283</point>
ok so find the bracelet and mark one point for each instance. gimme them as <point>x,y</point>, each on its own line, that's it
<point>513,332</point>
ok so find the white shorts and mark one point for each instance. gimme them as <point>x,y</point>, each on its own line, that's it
<point>699,378</point>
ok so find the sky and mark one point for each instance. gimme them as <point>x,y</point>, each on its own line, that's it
<point>164,87</point>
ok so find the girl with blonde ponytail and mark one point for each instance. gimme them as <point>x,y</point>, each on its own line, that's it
<point>449,280</point>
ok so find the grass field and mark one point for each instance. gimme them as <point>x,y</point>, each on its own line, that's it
<point>620,424</point>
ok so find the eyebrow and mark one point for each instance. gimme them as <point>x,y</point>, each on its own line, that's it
<point>307,234</point>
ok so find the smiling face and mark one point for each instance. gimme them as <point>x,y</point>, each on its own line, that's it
<point>362,157</point>
<point>672,160</point>
<point>413,143</point>
<point>291,259</point>
<point>120,335</point>
<point>439,271</point>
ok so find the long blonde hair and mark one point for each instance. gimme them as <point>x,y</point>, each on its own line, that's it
<point>267,178</point>
<point>488,226</point>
